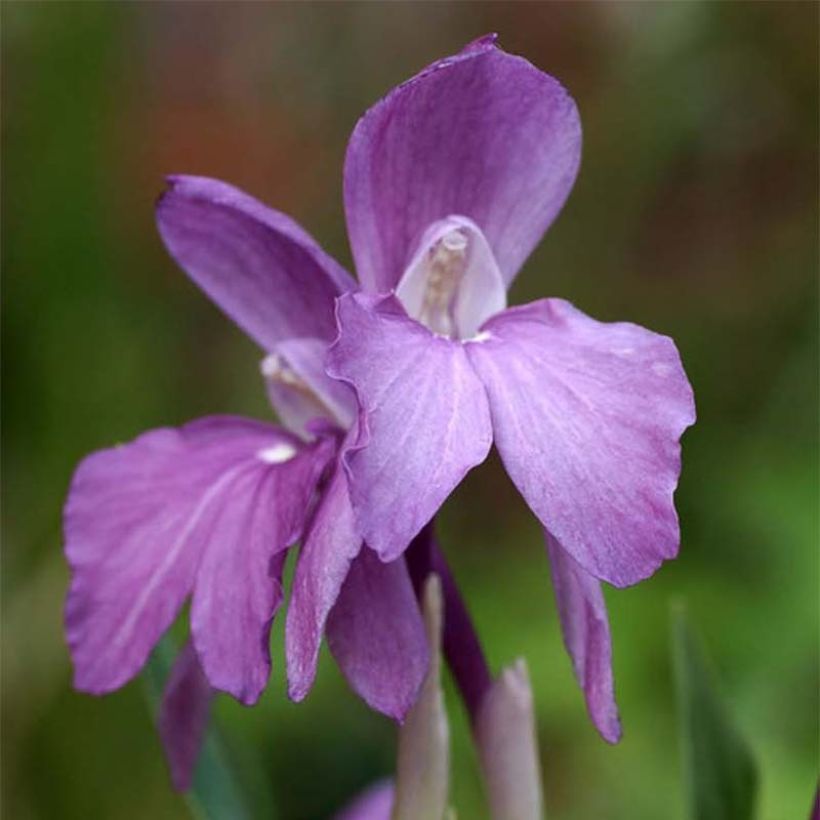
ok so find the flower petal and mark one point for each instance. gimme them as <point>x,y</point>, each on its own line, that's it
<point>423,423</point>
<point>587,418</point>
<point>138,521</point>
<point>376,633</point>
<point>585,625</point>
<point>183,716</point>
<point>483,134</point>
<point>263,270</point>
<point>239,581</point>
<point>332,542</point>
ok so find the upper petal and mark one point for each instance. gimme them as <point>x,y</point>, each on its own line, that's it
<point>377,636</point>
<point>138,520</point>
<point>263,270</point>
<point>423,423</point>
<point>587,417</point>
<point>483,134</point>
<point>585,625</point>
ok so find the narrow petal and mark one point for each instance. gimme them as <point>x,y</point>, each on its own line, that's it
<point>263,270</point>
<point>300,390</point>
<point>483,134</point>
<point>587,417</point>
<point>330,545</point>
<point>585,625</point>
<point>508,748</point>
<point>376,634</point>
<point>423,423</point>
<point>138,521</point>
<point>375,803</point>
<point>183,716</point>
<point>239,581</point>
<point>423,765</point>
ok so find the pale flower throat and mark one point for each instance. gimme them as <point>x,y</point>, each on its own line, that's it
<point>446,262</point>
<point>452,285</point>
<point>295,400</point>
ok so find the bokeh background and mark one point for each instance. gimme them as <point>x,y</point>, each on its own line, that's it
<point>695,213</point>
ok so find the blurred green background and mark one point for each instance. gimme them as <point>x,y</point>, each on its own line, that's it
<point>695,214</point>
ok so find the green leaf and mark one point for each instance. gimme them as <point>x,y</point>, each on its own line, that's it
<point>719,770</point>
<point>216,792</point>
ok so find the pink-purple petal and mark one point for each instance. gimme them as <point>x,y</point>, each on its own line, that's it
<point>262,269</point>
<point>330,545</point>
<point>183,716</point>
<point>423,423</point>
<point>587,417</point>
<point>238,587</point>
<point>483,134</point>
<point>585,626</point>
<point>376,634</point>
<point>138,520</point>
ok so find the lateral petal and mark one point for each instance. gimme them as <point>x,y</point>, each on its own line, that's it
<point>423,419</point>
<point>483,134</point>
<point>376,634</point>
<point>261,268</point>
<point>587,417</point>
<point>183,716</point>
<point>138,520</point>
<point>585,626</point>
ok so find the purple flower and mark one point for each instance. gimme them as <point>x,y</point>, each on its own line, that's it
<point>450,182</point>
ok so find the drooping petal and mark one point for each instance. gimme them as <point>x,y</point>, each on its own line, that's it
<point>483,134</point>
<point>183,716</point>
<point>262,269</point>
<point>299,388</point>
<point>376,634</point>
<point>423,760</point>
<point>508,748</point>
<point>238,587</point>
<point>375,803</point>
<point>139,519</point>
<point>330,545</point>
<point>423,423</point>
<point>587,417</point>
<point>585,625</point>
